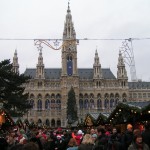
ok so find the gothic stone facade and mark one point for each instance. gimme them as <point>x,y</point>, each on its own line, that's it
<point>96,88</point>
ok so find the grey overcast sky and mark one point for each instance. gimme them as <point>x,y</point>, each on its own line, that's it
<point>92,19</point>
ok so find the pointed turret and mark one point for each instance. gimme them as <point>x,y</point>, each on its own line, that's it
<point>122,73</point>
<point>15,63</point>
<point>97,67</point>
<point>69,31</point>
<point>40,65</point>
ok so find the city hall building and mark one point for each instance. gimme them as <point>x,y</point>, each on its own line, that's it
<point>96,88</point>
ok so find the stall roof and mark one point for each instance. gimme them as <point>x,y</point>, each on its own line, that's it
<point>95,116</point>
<point>129,111</point>
<point>140,105</point>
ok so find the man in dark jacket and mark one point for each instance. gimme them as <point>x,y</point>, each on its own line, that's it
<point>127,137</point>
<point>114,141</point>
<point>102,140</point>
<point>146,135</point>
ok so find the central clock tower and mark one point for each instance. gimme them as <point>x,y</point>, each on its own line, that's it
<point>69,73</point>
<point>69,48</point>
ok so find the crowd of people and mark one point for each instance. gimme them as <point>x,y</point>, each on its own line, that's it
<point>98,138</point>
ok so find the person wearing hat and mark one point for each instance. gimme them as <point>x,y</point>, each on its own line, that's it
<point>127,137</point>
<point>94,137</point>
<point>79,137</point>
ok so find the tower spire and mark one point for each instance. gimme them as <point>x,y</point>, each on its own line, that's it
<point>68,7</point>
<point>40,65</point>
<point>69,31</point>
<point>122,73</point>
<point>97,66</point>
<point>15,62</point>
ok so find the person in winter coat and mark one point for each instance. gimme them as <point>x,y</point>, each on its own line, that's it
<point>114,142</point>
<point>146,134</point>
<point>127,137</point>
<point>102,140</point>
<point>138,144</point>
<point>87,143</point>
<point>79,137</point>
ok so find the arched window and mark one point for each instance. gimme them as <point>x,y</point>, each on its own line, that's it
<point>47,122</point>
<point>39,104</point>
<point>58,104</point>
<point>52,123</point>
<point>99,104</point>
<point>111,103</point>
<point>39,122</point>
<point>81,103</point>
<point>52,104</point>
<point>116,99</point>
<point>124,97</point>
<point>111,100</point>
<point>106,102</point>
<point>32,103</point>
<point>91,103</point>
<point>47,104</point>
<point>86,103</point>
<point>58,123</point>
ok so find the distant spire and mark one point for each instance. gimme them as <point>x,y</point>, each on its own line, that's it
<point>69,31</point>
<point>68,8</point>
<point>16,51</point>
<point>15,62</point>
<point>97,66</point>
<point>120,59</point>
<point>121,73</point>
<point>40,58</point>
<point>96,53</point>
<point>40,64</point>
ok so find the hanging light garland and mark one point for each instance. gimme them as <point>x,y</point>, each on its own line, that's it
<point>39,42</point>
